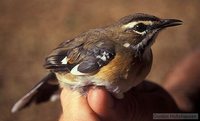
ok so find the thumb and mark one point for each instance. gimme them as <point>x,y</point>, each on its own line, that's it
<point>105,105</point>
<point>75,107</point>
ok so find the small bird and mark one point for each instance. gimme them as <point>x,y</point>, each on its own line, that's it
<point>117,57</point>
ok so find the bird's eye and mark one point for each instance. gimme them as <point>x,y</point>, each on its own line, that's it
<point>140,27</point>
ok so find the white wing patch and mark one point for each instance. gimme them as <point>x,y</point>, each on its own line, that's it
<point>104,56</point>
<point>75,71</point>
<point>126,45</point>
<point>65,60</point>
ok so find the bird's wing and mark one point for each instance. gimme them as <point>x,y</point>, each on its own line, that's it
<point>43,91</point>
<point>81,57</point>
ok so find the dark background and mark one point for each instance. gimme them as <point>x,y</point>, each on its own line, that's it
<point>30,29</point>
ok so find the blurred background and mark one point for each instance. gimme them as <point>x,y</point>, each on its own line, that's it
<point>29,30</point>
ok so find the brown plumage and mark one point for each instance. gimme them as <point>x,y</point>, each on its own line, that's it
<point>117,57</point>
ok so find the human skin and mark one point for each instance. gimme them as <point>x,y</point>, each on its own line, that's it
<point>183,83</point>
<point>139,104</point>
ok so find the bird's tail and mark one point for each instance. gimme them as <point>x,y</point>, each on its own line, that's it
<point>45,90</point>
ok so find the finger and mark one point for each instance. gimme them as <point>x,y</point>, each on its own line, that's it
<point>106,106</point>
<point>61,118</point>
<point>183,82</point>
<point>150,99</point>
<point>101,102</point>
<point>138,104</point>
<point>75,107</point>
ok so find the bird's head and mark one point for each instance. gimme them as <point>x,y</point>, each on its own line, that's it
<point>138,31</point>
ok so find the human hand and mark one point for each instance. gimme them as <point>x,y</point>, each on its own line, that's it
<point>139,104</point>
<point>183,82</point>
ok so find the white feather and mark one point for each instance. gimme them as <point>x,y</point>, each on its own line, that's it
<point>75,71</point>
<point>104,56</point>
<point>126,45</point>
<point>132,24</point>
<point>54,97</point>
<point>65,60</point>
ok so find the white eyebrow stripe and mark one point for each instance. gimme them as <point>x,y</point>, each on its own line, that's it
<point>132,24</point>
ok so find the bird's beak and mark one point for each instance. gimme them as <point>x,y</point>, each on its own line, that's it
<point>153,32</point>
<point>167,23</point>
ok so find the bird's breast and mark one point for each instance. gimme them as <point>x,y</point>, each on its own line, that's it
<point>122,73</point>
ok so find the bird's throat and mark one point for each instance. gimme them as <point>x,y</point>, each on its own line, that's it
<point>146,43</point>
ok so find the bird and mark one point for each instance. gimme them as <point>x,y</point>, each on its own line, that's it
<point>117,57</point>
